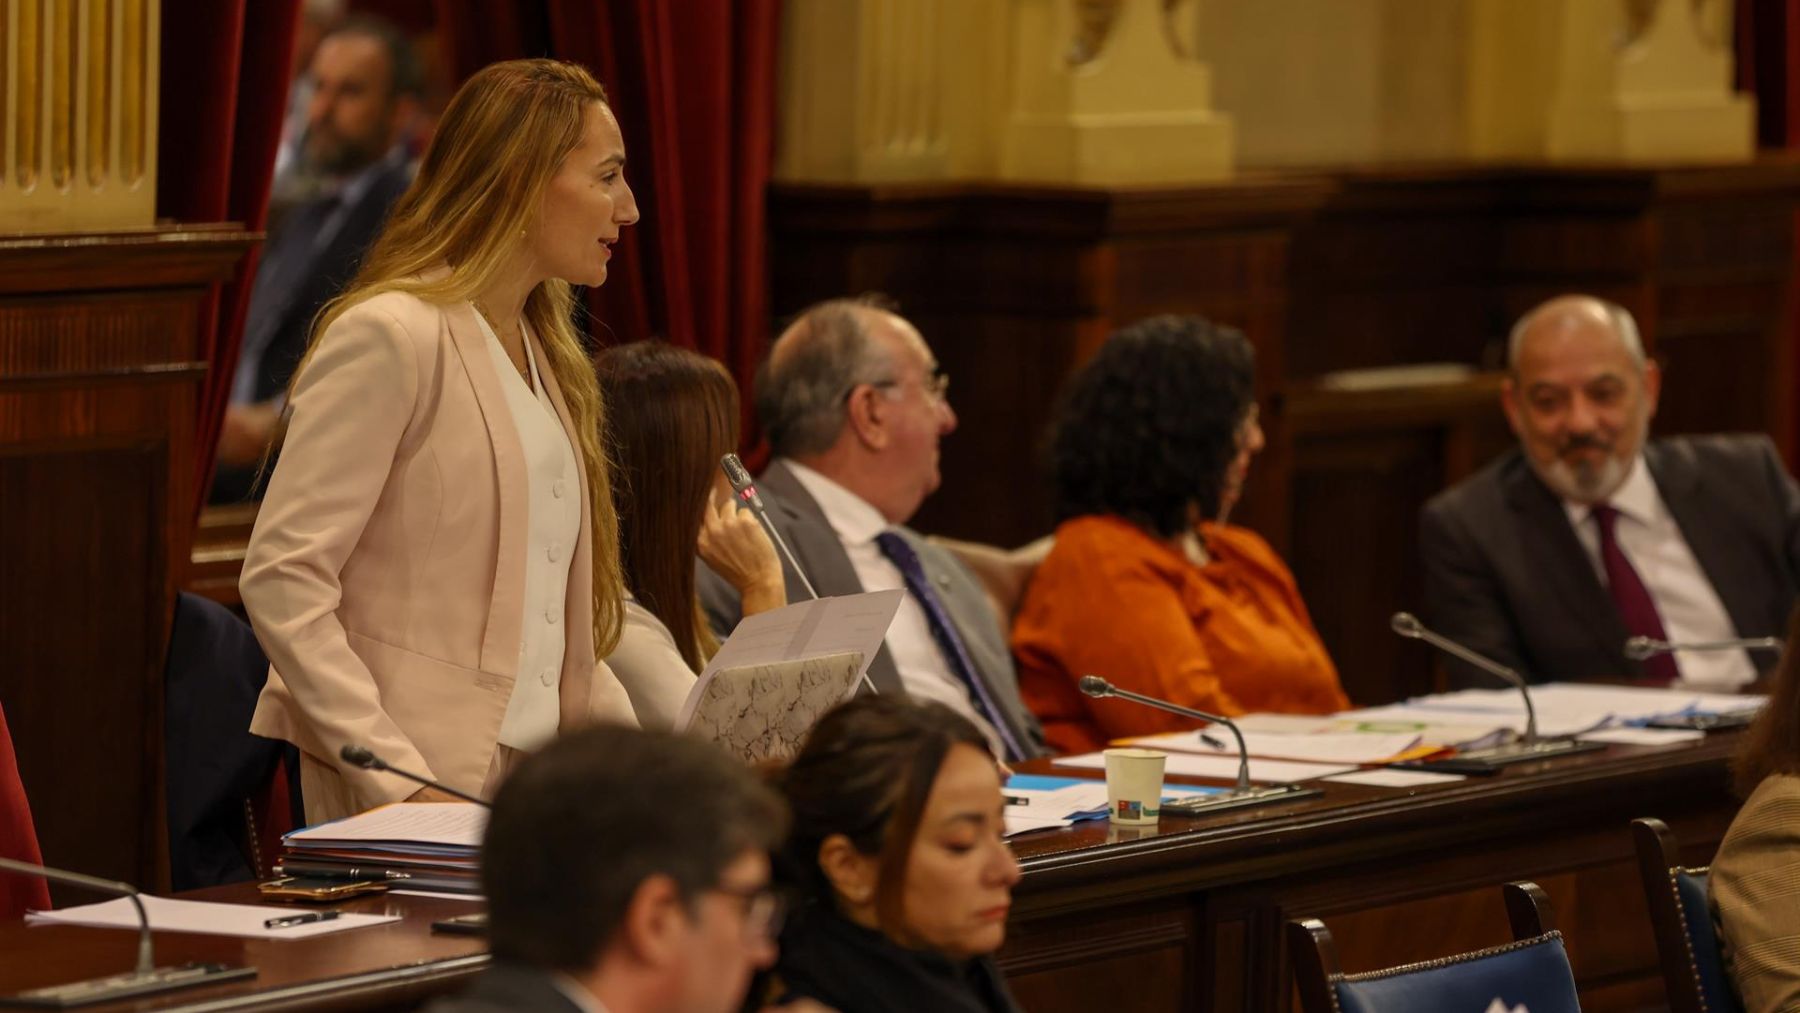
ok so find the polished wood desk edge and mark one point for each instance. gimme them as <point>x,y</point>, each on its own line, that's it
<point>1230,840</point>
<point>387,986</point>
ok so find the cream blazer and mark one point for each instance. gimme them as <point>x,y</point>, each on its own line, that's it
<point>385,573</point>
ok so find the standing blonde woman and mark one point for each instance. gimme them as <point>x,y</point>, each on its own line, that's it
<point>435,569</point>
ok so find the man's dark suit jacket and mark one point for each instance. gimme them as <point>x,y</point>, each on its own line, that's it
<point>1505,574</point>
<point>802,524</point>
<point>508,988</point>
<point>326,272</point>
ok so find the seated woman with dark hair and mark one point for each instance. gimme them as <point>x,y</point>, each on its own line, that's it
<point>897,856</point>
<point>1147,586</point>
<point>673,414</point>
<point>1755,878</point>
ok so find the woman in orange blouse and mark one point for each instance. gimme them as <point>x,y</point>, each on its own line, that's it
<point>1147,586</point>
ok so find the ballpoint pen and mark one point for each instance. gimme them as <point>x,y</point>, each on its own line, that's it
<point>289,921</point>
<point>350,875</point>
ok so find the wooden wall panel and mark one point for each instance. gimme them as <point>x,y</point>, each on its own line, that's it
<point>100,372</point>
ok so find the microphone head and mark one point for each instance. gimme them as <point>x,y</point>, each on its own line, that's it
<point>1639,648</point>
<point>1093,685</point>
<point>735,472</point>
<point>358,756</point>
<point>1407,625</point>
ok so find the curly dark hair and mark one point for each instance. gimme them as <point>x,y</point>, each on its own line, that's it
<point>1148,428</point>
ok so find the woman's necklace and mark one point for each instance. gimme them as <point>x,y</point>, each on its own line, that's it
<point>520,364</point>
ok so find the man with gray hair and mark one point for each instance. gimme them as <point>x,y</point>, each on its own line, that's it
<point>1550,558</point>
<point>854,404</point>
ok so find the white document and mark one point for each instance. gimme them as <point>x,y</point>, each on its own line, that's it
<point>1396,778</point>
<point>847,624</point>
<point>1322,747</point>
<point>764,712</point>
<point>167,915</point>
<point>1628,736</point>
<point>1024,823</point>
<point>1223,768</point>
<point>444,824</point>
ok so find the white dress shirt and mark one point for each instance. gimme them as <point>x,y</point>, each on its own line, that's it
<point>1685,599</point>
<point>648,663</point>
<point>554,510</point>
<point>924,671</point>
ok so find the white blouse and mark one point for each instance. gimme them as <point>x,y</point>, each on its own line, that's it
<point>554,507</point>
<point>648,663</point>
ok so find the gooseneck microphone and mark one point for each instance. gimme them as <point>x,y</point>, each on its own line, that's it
<point>1097,687</point>
<point>146,978</point>
<point>360,756</point>
<point>739,477</point>
<point>1408,625</point>
<point>1488,760</point>
<point>1639,648</point>
<point>1245,794</point>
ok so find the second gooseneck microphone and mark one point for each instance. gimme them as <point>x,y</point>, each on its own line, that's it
<point>361,756</point>
<point>1639,648</point>
<point>1095,686</point>
<point>1408,625</point>
<point>739,477</point>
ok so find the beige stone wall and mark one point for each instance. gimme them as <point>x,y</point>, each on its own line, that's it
<point>78,114</point>
<point>893,90</point>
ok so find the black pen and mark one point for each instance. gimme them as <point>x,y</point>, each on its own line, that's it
<point>337,872</point>
<point>1212,740</point>
<point>289,921</point>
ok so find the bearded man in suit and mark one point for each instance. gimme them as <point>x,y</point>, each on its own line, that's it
<point>1550,558</point>
<point>854,404</point>
<point>366,80</point>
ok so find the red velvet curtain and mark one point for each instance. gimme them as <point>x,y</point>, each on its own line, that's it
<point>18,838</point>
<point>693,85</point>
<point>223,93</point>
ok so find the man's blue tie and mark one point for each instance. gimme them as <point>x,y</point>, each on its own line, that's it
<point>901,554</point>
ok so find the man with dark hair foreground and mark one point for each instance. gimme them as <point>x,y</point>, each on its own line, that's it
<point>627,872</point>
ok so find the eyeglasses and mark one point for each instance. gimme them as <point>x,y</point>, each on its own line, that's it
<point>764,910</point>
<point>936,386</point>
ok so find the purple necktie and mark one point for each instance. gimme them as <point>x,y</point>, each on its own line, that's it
<point>1632,598</point>
<point>949,641</point>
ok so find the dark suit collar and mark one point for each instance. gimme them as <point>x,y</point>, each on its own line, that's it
<point>1708,531</point>
<point>514,986</point>
<point>1557,555</point>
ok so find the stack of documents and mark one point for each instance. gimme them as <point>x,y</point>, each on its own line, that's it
<point>248,921</point>
<point>433,846</point>
<point>1041,802</point>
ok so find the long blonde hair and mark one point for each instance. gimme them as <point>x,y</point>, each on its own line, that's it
<point>501,139</point>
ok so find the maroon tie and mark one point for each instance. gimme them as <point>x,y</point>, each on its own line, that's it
<point>1632,598</point>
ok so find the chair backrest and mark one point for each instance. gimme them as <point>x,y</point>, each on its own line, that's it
<point>1532,971</point>
<point>18,838</point>
<point>1687,946</point>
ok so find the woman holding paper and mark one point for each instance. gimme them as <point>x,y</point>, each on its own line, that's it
<point>1755,877</point>
<point>435,569</point>
<point>675,413</point>
<point>1147,585</point>
<point>897,860</point>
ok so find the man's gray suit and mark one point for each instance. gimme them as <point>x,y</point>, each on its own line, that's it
<point>1505,574</point>
<point>802,524</point>
<point>508,987</point>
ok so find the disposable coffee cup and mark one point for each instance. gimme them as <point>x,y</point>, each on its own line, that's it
<point>1134,780</point>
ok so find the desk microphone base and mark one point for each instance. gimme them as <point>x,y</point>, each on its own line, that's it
<point>1704,722</point>
<point>1225,801</point>
<point>1492,759</point>
<point>126,986</point>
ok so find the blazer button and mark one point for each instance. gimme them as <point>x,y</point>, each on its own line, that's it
<point>549,676</point>
<point>552,616</point>
<point>944,581</point>
<point>554,552</point>
<point>558,489</point>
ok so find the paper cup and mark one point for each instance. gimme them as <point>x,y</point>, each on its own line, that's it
<point>1134,780</point>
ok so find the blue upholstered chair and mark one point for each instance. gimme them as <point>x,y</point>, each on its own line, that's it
<point>1532,971</point>
<point>1680,916</point>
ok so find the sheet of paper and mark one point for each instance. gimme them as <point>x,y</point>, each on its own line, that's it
<point>1024,823</point>
<point>1224,768</point>
<point>1080,799</point>
<point>447,824</point>
<point>1629,736</point>
<point>1396,778</point>
<point>764,712</point>
<point>847,624</point>
<point>168,915</point>
<point>1318,747</point>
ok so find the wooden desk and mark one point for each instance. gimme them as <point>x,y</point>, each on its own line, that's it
<point>1184,916</point>
<point>392,966</point>
<point>1188,915</point>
